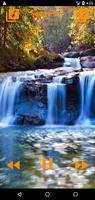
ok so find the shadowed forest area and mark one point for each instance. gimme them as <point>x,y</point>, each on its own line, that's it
<point>41,33</point>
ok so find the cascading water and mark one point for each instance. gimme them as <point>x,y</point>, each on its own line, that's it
<point>72,62</point>
<point>87,89</point>
<point>8,92</point>
<point>56,101</point>
<point>56,97</point>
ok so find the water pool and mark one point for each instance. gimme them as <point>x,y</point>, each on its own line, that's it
<point>64,144</point>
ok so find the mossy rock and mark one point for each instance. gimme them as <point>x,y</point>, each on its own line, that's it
<point>50,60</point>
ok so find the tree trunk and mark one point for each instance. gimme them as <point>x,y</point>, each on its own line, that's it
<point>5,30</point>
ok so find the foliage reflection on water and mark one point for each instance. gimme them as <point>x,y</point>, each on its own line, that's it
<point>64,144</point>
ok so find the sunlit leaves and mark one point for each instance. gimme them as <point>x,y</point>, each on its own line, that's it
<point>83,26</point>
<point>82,14</point>
<point>52,28</point>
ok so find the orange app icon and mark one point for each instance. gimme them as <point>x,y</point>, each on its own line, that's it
<point>12,15</point>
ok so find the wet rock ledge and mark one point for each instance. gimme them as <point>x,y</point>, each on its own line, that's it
<point>32,105</point>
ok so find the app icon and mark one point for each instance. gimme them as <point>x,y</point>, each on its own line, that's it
<point>50,163</point>
<point>12,15</point>
<point>80,165</point>
<point>11,165</point>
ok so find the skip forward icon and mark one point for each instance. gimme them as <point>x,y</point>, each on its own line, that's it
<point>80,165</point>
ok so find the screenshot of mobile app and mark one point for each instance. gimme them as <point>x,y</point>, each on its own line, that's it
<point>47,98</point>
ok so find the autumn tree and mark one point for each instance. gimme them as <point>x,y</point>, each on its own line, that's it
<point>3,27</point>
<point>23,34</point>
<point>82,29</point>
<point>55,27</point>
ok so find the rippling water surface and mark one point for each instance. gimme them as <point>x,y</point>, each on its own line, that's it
<point>64,144</point>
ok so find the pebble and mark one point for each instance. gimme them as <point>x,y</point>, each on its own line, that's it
<point>38,146</point>
<point>49,173</point>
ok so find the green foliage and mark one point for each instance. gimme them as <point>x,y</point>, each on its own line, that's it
<point>24,34</point>
<point>55,35</point>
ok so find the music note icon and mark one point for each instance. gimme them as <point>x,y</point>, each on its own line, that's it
<point>12,15</point>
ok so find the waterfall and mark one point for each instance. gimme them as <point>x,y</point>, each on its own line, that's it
<point>8,91</point>
<point>87,89</point>
<point>72,62</point>
<point>56,94</point>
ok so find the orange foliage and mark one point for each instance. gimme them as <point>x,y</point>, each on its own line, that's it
<point>82,15</point>
<point>67,8</point>
<point>40,15</point>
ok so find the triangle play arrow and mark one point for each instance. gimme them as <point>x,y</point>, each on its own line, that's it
<point>10,165</point>
<point>17,165</point>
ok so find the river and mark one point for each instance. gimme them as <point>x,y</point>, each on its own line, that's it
<point>64,144</point>
<point>47,114</point>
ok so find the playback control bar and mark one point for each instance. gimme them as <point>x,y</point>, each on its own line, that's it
<point>47,2</point>
<point>47,194</point>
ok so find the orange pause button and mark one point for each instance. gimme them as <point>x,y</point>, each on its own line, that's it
<point>50,163</point>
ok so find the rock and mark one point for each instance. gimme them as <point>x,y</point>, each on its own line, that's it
<point>28,120</point>
<point>71,54</point>
<point>49,173</point>
<point>70,78</point>
<point>73,100</point>
<point>88,52</point>
<point>49,62</point>
<point>18,120</point>
<point>59,59</point>
<point>50,183</point>
<point>32,104</point>
<point>31,107</point>
<point>13,78</point>
<point>88,62</point>
<point>37,146</point>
